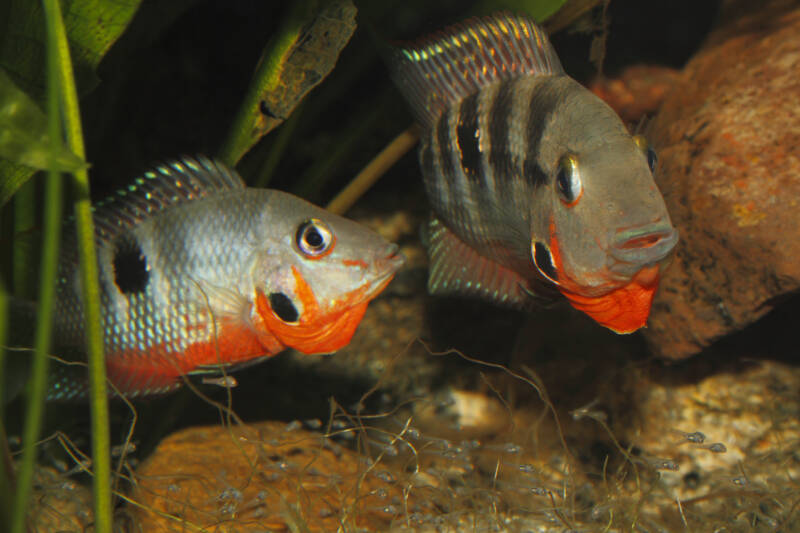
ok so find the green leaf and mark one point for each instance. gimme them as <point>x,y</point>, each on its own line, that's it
<point>92,27</point>
<point>24,140</point>
<point>297,59</point>
<point>538,10</point>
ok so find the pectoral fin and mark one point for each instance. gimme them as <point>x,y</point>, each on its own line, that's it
<point>456,268</point>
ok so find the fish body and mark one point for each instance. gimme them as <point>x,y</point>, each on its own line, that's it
<point>537,187</point>
<point>198,272</point>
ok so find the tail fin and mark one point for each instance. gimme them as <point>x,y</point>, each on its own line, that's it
<point>66,381</point>
<point>22,316</point>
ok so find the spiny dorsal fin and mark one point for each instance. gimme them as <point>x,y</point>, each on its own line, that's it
<point>167,185</point>
<point>461,59</point>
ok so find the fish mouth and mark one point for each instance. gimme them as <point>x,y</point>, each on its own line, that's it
<point>635,248</point>
<point>385,268</point>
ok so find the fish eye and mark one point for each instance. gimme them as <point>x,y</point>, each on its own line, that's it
<point>314,238</point>
<point>543,259</point>
<point>649,152</point>
<point>568,180</point>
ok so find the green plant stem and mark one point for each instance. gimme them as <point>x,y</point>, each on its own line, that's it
<point>101,440</point>
<point>322,169</point>
<point>282,137</point>
<point>23,254</point>
<point>5,316</point>
<point>37,386</point>
<point>6,473</point>
<point>267,77</point>
<point>7,484</point>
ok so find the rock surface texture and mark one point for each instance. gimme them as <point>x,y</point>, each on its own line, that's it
<point>265,477</point>
<point>728,137</point>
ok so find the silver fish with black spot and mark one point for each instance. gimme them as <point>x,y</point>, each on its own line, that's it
<point>535,183</point>
<point>198,272</point>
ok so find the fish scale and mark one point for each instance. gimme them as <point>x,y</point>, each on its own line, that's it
<point>534,182</point>
<point>190,264</point>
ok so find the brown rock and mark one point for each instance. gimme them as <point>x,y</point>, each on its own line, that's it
<point>637,92</point>
<point>731,436</point>
<point>728,137</point>
<point>59,503</point>
<point>265,477</point>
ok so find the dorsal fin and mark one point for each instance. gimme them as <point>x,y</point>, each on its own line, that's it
<point>167,185</point>
<point>461,59</point>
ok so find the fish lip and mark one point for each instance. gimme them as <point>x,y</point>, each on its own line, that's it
<point>633,251</point>
<point>391,261</point>
<point>386,267</point>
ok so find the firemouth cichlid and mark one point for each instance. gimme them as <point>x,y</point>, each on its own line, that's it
<point>198,272</point>
<point>535,183</point>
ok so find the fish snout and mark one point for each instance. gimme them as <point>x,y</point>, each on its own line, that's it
<point>390,260</point>
<point>632,248</point>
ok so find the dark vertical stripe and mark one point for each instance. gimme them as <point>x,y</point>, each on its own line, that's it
<point>500,160</point>
<point>467,137</point>
<point>534,173</point>
<point>445,151</point>
<point>545,99</point>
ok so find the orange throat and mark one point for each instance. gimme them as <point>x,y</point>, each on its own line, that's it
<point>623,310</point>
<point>317,331</point>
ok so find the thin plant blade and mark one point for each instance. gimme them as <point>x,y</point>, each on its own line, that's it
<point>6,492</point>
<point>92,26</point>
<point>101,440</point>
<point>24,139</point>
<point>37,385</point>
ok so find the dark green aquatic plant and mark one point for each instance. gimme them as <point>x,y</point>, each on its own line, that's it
<point>47,280</point>
<point>5,457</point>
<point>24,139</point>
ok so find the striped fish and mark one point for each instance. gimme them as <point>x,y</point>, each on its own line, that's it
<point>535,183</point>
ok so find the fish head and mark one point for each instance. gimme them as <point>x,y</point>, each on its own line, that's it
<point>317,276</point>
<point>602,233</point>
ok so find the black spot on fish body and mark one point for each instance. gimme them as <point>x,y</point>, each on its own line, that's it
<point>467,137</point>
<point>131,272</point>
<point>283,307</point>
<point>544,261</point>
<point>500,159</point>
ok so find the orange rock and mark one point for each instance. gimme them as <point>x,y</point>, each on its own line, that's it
<point>637,92</point>
<point>263,477</point>
<point>728,138</point>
